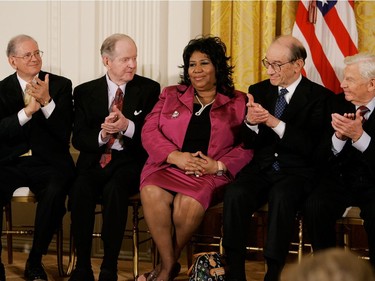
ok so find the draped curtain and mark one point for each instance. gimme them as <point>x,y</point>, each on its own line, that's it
<point>248,27</point>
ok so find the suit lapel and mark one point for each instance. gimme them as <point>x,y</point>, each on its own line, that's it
<point>131,99</point>
<point>99,97</point>
<point>369,125</point>
<point>297,102</point>
<point>14,93</point>
<point>270,98</point>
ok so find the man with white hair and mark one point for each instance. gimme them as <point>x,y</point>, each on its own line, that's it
<point>36,115</point>
<point>350,172</point>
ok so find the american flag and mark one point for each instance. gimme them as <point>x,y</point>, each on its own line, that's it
<point>328,31</point>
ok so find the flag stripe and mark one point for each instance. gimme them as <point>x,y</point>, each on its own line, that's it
<point>328,41</point>
<point>317,53</point>
<point>313,73</point>
<point>340,33</point>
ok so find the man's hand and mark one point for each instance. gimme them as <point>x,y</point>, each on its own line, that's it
<point>32,107</point>
<point>39,90</point>
<point>256,114</point>
<point>115,122</point>
<point>346,126</point>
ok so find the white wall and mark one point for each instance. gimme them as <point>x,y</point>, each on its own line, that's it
<point>71,32</point>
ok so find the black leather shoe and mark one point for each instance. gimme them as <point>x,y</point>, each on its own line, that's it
<point>107,275</point>
<point>82,274</point>
<point>35,272</point>
<point>2,272</point>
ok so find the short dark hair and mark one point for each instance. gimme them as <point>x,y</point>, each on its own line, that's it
<point>215,49</point>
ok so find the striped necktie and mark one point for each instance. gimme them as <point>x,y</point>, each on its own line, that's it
<point>107,155</point>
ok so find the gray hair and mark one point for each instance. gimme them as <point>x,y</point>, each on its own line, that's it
<point>108,46</point>
<point>15,41</point>
<point>332,265</point>
<point>366,64</point>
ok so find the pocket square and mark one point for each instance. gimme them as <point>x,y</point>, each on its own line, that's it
<point>137,112</point>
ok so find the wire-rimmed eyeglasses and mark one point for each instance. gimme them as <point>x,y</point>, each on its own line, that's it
<point>275,66</point>
<point>26,57</point>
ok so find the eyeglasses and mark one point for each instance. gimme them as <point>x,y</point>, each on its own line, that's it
<point>26,57</point>
<point>275,66</point>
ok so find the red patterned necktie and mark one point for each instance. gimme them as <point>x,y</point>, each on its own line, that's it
<point>107,156</point>
<point>363,110</point>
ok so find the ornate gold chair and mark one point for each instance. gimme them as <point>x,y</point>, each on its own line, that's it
<point>216,240</point>
<point>350,219</point>
<point>133,234</point>
<point>24,195</point>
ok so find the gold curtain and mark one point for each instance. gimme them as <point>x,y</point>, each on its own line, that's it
<point>248,27</point>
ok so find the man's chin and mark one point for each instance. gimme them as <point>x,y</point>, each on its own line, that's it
<point>348,97</point>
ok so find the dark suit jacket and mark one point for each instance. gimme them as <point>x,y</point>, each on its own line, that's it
<point>91,108</point>
<point>47,138</point>
<point>306,118</point>
<point>350,162</point>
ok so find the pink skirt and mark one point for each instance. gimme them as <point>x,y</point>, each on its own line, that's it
<point>201,188</point>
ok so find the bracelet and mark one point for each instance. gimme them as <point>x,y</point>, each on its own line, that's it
<point>220,168</point>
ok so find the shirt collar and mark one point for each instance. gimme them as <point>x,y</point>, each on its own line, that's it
<point>291,88</point>
<point>112,87</point>
<point>23,83</point>
<point>370,106</point>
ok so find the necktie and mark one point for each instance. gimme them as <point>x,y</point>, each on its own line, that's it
<point>26,97</point>
<point>363,110</point>
<point>107,156</point>
<point>280,103</point>
<point>279,109</point>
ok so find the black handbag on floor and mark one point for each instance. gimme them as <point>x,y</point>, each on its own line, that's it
<point>208,266</point>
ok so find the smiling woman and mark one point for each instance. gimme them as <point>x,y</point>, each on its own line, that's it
<point>186,166</point>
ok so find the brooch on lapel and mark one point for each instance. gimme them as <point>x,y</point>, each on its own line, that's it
<point>175,114</point>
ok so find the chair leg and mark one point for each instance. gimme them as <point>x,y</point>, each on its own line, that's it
<point>9,228</point>
<point>155,254</point>
<point>59,250</point>
<point>300,237</point>
<point>72,255</point>
<point>221,248</point>
<point>135,239</point>
<point>189,253</point>
<point>346,240</point>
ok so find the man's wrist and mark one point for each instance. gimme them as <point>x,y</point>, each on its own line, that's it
<point>43,102</point>
<point>247,122</point>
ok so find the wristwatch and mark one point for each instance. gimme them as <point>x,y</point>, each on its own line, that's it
<point>44,103</point>
<point>220,168</point>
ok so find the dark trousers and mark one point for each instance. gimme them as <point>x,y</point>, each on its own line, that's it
<point>50,187</point>
<point>111,187</point>
<point>284,194</point>
<point>327,204</point>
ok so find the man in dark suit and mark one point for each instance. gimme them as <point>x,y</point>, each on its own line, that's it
<point>36,114</point>
<point>284,143</point>
<point>111,184</point>
<point>349,178</point>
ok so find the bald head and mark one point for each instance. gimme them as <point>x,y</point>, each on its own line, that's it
<point>297,50</point>
<point>108,47</point>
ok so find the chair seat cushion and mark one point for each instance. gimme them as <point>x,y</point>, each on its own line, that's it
<point>22,192</point>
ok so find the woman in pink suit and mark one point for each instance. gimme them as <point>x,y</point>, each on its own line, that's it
<point>192,137</point>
